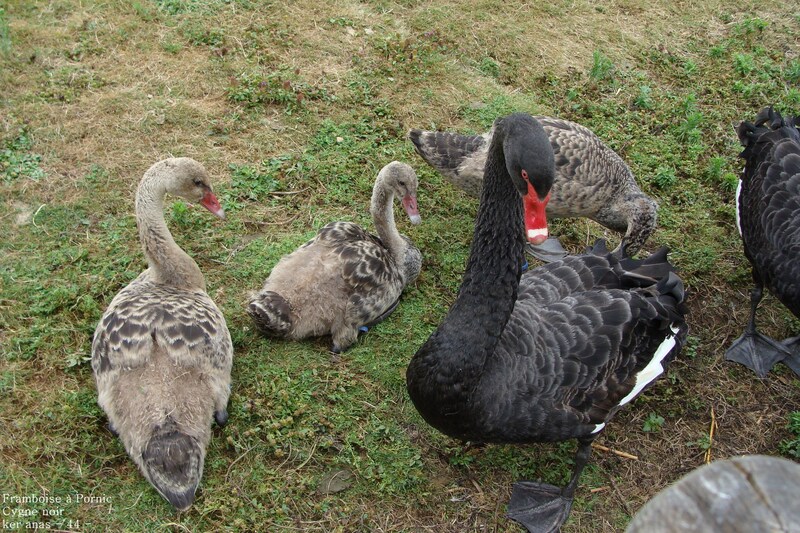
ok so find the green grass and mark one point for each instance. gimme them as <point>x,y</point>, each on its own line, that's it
<point>5,39</point>
<point>294,108</point>
<point>791,446</point>
<point>16,160</point>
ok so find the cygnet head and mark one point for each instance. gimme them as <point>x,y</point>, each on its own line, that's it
<point>401,179</point>
<point>185,177</point>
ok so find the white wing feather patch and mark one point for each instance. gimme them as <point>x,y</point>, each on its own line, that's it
<point>654,368</point>
<point>738,218</point>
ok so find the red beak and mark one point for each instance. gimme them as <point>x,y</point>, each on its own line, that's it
<point>535,217</point>
<point>410,205</point>
<point>211,203</point>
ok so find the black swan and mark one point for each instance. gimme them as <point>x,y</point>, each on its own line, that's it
<point>591,180</point>
<point>344,278</point>
<point>768,218</point>
<point>552,356</point>
<point>162,352</point>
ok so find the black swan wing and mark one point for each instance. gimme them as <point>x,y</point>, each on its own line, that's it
<point>565,364</point>
<point>781,190</point>
<point>367,267</point>
<point>460,158</point>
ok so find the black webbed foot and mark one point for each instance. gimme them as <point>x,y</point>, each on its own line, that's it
<point>539,507</point>
<point>757,352</point>
<point>792,360</point>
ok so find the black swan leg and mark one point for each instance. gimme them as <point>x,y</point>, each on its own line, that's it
<point>757,352</point>
<point>543,508</point>
<point>549,251</point>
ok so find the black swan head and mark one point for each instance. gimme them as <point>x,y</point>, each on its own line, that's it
<point>525,147</point>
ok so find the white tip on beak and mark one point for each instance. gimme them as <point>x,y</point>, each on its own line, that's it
<point>538,235</point>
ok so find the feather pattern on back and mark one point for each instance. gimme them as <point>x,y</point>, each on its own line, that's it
<point>579,334</point>
<point>591,180</point>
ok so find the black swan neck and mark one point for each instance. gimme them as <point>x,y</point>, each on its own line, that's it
<point>449,366</point>
<point>496,255</point>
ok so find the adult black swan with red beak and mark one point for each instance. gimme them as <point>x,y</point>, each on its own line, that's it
<point>553,355</point>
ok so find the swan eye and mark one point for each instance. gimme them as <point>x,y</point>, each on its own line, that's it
<point>401,183</point>
<point>524,174</point>
<point>198,182</point>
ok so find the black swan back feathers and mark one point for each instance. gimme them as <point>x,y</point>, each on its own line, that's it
<point>768,206</point>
